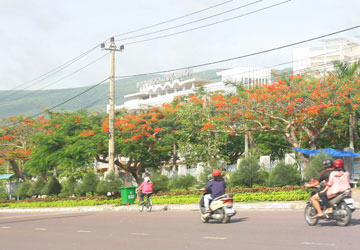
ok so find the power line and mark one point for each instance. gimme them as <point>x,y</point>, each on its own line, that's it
<point>68,63</point>
<point>62,103</point>
<point>184,24</point>
<point>72,73</point>
<point>242,56</point>
<point>174,19</point>
<point>51,72</point>
<point>207,25</point>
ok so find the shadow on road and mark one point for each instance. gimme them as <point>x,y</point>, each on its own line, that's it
<point>233,220</point>
<point>40,219</point>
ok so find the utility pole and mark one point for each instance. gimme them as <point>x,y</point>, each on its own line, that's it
<point>112,48</point>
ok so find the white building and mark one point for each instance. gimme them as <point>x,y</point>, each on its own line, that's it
<point>160,90</point>
<point>320,58</point>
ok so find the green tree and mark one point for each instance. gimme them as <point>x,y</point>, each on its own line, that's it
<point>22,191</point>
<point>52,187</point>
<point>111,184</point>
<point>88,184</point>
<point>315,166</point>
<point>284,174</point>
<point>68,187</point>
<point>161,182</point>
<point>183,182</point>
<point>36,187</point>
<point>249,173</point>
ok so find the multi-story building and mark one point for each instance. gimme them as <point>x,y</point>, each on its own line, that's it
<point>164,89</point>
<point>320,58</point>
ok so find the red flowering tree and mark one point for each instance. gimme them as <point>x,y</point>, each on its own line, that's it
<point>15,142</point>
<point>143,139</point>
<point>301,109</point>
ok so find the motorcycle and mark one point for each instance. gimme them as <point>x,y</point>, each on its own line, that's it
<point>343,206</point>
<point>221,209</point>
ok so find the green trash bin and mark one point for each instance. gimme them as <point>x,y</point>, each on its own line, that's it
<point>128,195</point>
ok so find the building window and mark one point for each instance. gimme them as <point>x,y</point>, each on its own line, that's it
<point>333,58</point>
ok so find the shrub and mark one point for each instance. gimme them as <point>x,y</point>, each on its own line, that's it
<point>284,174</point>
<point>315,166</point>
<point>4,194</point>
<point>111,183</point>
<point>185,182</point>
<point>52,187</point>
<point>36,187</point>
<point>88,184</point>
<point>248,174</point>
<point>161,182</point>
<point>205,176</point>
<point>22,191</point>
<point>68,187</point>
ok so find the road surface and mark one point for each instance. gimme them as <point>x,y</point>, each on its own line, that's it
<point>172,230</point>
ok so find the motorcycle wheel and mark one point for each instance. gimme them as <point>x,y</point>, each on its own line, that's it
<point>204,220</point>
<point>347,217</point>
<point>310,211</point>
<point>149,206</point>
<point>226,218</point>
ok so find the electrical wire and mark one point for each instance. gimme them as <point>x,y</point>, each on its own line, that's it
<point>49,73</point>
<point>242,56</point>
<point>195,21</point>
<point>72,73</point>
<point>207,25</point>
<point>62,103</point>
<point>174,19</point>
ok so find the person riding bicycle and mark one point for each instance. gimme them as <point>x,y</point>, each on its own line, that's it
<point>146,188</point>
<point>217,186</point>
<point>324,177</point>
<point>339,181</point>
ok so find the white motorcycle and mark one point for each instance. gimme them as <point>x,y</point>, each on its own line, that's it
<point>221,209</point>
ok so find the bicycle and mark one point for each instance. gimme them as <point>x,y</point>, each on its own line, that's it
<point>147,203</point>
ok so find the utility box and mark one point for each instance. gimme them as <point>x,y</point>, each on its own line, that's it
<point>128,195</point>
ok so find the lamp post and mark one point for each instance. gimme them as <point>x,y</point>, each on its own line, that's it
<point>112,48</point>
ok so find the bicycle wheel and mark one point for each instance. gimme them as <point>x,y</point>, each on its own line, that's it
<point>149,204</point>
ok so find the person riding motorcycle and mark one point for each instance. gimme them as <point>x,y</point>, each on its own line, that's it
<point>217,186</point>
<point>324,177</point>
<point>339,181</point>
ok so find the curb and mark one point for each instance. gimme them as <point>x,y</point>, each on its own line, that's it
<point>258,206</point>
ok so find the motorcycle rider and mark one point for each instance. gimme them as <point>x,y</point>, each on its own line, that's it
<point>217,186</point>
<point>339,181</point>
<point>324,177</point>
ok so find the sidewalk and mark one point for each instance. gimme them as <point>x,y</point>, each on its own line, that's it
<point>255,206</point>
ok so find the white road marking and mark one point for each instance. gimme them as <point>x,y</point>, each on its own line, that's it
<point>6,227</point>
<point>84,231</point>
<point>214,238</point>
<point>40,229</point>
<point>143,234</point>
<point>318,244</point>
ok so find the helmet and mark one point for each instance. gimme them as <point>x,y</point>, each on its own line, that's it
<point>328,163</point>
<point>147,179</point>
<point>216,172</point>
<point>338,163</point>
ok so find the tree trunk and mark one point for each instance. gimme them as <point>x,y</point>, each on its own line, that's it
<point>17,169</point>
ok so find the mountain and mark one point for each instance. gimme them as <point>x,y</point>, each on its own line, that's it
<point>32,102</point>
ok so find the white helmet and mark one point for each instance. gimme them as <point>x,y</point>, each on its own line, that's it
<point>147,179</point>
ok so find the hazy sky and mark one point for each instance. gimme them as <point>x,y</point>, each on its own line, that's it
<point>37,36</point>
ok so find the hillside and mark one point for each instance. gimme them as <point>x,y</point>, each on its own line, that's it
<point>28,102</point>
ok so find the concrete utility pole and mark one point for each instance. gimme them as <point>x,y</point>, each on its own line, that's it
<point>112,48</point>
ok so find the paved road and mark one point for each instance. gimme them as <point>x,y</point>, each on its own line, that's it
<point>172,230</point>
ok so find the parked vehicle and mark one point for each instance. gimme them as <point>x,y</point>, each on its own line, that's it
<point>343,206</point>
<point>221,209</point>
